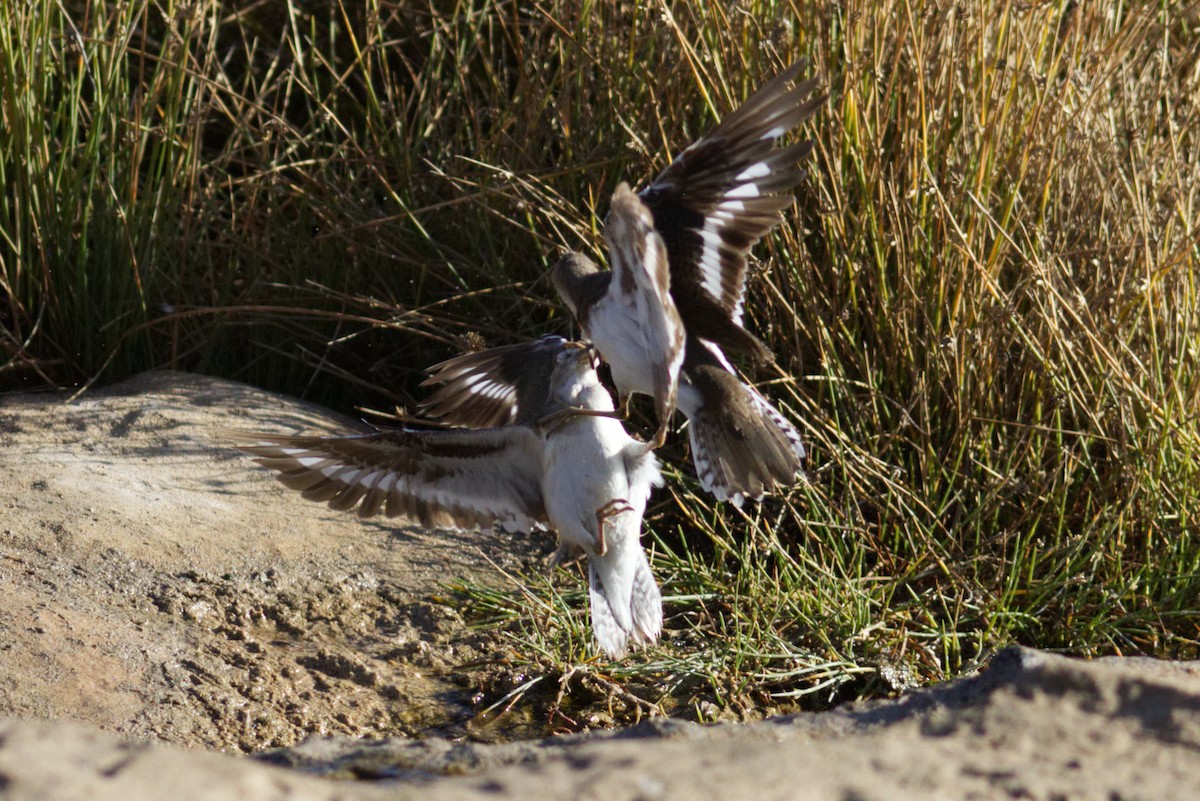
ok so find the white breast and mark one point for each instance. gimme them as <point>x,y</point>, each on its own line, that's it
<point>583,469</point>
<point>619,332</point>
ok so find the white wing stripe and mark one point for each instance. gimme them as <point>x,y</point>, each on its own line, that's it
<point>310,462</point>
<point>749,189</point>
<point>349,475</point>
<point>719,354</point>
<point>650,261</point>
<point>371,479</point>
<point>759,169</point>
<point>710,259</point>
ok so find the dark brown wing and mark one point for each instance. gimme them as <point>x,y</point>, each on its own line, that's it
<point>495,387</point>
<point>720,196</point>
<point>440,479</point>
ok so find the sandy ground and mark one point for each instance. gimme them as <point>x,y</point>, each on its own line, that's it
<point>164,598</point>
<point>159,584</point>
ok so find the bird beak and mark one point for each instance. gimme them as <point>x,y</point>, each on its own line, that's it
<point>587,349</point>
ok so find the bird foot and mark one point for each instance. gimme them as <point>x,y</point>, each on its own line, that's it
<point>611,509</point>
<point>660,436</point>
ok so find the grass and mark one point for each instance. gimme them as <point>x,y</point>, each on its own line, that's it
<point>985,309</point>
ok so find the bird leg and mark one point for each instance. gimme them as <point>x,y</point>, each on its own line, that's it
<point>611,509</point>
<point>664,406</point>
<point>557,418</point>
<point>565,554</point>
<point>660,436</point>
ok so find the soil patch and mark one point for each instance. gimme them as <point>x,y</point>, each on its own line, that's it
<point>160,584</point>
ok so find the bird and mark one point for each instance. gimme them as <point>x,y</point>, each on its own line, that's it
<point>567,465</point>
<point>642,336</point>
<point>499,386</point>
<point>671,306</point>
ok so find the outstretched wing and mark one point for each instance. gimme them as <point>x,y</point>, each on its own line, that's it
<point>720,196</point>
<point>440,479</point>
<point>495,387</point>
<point>642,281</point>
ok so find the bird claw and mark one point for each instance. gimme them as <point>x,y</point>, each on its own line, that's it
<point>660,436</point>
<point>611,509</point>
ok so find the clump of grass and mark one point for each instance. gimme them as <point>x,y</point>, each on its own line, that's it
<point>984,310</point>
<point>987,317</point>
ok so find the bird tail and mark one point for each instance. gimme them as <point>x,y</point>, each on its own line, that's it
<point>625,600</point>
<point>743,449</point>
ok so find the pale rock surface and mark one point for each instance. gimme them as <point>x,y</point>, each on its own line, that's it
<point>1032,726</point>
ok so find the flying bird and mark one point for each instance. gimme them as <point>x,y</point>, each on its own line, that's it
<point>567,465</point>
<point>630,309</point>
<point>672,304</point>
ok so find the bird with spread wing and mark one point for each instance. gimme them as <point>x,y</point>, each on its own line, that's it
<point>671,306</point>
<point>562,462</point>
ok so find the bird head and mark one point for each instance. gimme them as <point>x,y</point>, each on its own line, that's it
<point>574,369</point>
<point>568,274</point>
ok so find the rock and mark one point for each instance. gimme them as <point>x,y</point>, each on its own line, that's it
<point>60,761</point>
<point>1031,726</point>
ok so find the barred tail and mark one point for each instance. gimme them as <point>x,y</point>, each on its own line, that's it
<point>744,449</point>
<point>624,607</point>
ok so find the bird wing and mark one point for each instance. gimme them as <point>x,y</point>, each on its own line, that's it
<point>642,278</point>
<point>495,387</point>
<point>724,193</point>
<point>440,479</point>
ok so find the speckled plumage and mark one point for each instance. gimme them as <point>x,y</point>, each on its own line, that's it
<point>665,334</point>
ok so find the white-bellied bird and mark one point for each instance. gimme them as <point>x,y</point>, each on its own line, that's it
<point>567,465</point>
<point>671,306</point>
